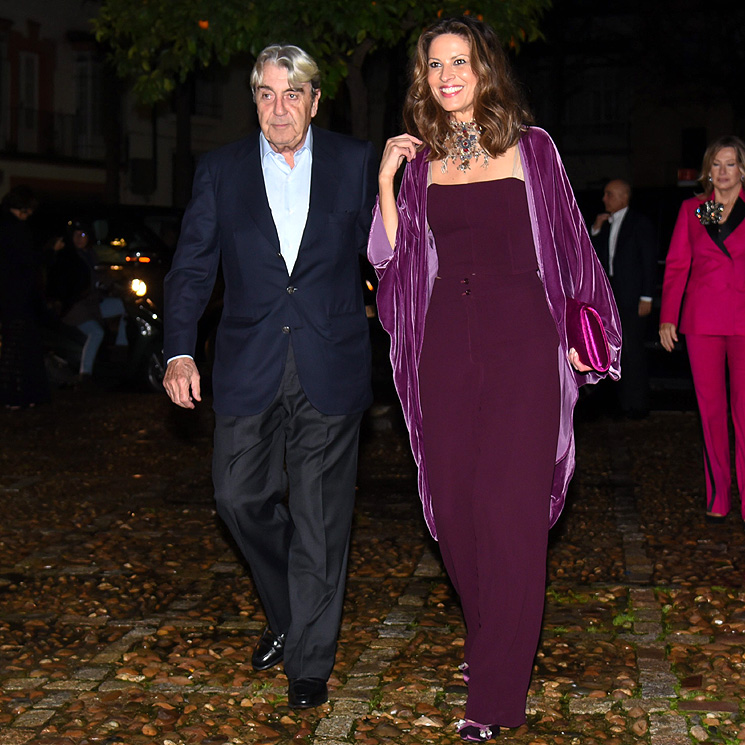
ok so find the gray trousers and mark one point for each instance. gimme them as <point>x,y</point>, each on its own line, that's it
<point>296,542</point>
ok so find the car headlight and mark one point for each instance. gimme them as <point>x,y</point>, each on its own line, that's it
<point>139,287</point>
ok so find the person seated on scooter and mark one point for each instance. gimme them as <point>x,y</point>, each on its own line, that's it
<point>83,304</point>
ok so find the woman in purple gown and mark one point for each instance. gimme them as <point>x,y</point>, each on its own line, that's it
<point>476,259</point>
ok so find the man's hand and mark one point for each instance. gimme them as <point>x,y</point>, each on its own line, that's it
<point>600,220</point>
<point>181,382</point>
<point>645,308</point>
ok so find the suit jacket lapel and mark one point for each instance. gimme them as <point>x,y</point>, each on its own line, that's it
<point>254,198</point>
<point>323,186</point>
<point>604,246</point>
<point>719,233</point>
<point>736,216</point>
<point>624,230</point>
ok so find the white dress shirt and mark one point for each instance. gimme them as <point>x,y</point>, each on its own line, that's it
<point>288,191</point>
<point>615,221</point>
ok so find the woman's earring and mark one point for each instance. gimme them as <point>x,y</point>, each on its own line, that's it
<point>709,178</point>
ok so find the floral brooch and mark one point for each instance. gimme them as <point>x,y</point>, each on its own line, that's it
<point>710,213</point>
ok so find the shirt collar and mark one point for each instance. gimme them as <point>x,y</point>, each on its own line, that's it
<point>618,215</point>
<point>266,148</point>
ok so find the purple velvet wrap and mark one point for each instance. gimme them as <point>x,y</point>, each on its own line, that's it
<point>568,267</point>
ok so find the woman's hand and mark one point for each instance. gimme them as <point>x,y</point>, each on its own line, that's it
<point>668,336</point>
<point>575,362</point>
<point>397,149</point>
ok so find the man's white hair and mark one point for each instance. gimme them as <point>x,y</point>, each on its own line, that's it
<point>301,67</point>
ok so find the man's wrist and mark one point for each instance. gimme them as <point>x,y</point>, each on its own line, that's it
<point>178,357</point>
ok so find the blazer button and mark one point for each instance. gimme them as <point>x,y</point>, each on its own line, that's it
<point>290,290</point>
<point>285,329</point>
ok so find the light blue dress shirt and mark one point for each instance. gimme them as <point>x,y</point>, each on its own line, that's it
<point>288,191</point>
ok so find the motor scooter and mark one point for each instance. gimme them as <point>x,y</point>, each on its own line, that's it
<point>139,362</point>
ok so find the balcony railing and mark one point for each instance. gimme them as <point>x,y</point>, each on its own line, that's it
<point>26,131</point>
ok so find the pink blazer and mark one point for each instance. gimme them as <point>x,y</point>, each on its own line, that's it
<point>705,273</point>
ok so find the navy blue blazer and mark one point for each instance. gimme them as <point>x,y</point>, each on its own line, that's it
<point>319,306</point>
<point>635,260</point>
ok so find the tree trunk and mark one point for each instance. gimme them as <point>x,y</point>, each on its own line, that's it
<point>358,90</point>
<point>183,162</point>
<point>378,92</point>
<point>112,134</point>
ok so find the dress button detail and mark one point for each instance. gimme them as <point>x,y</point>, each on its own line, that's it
<point>465,281</point>
<point>285,329</point>
<point>467,292</point>
<point>290,290</point>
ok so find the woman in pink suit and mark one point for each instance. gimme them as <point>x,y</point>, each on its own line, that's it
<point>703,296</point>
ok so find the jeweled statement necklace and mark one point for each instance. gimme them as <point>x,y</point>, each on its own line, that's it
<point>462,143</point>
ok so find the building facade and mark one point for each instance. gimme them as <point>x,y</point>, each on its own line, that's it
<point>635,90</point>
<point>71,131</point>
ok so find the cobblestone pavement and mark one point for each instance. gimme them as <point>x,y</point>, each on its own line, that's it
<point>126,617</point>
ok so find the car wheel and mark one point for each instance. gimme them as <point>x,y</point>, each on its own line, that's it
<point>155,371</point>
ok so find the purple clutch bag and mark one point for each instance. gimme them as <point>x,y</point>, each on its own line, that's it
<point>586,334</point>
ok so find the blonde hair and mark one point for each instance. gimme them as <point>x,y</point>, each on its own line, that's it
<point>711,153</point>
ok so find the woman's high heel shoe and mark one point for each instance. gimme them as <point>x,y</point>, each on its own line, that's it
<point>471,731</point>
<point>463,667</point>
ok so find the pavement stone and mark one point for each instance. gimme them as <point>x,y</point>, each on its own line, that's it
<point>34,718</point>
<point>335,727</point>
<point>16,737</point>
<point>129,619</point>
<point>668,729</point>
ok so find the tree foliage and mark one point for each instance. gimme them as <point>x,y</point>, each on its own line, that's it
<point>157,43</point>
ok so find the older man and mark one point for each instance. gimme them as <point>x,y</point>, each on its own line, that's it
<point>286,213</point>
<point>626,246</point>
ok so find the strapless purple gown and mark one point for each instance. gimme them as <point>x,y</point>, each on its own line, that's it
<point>490,404</point>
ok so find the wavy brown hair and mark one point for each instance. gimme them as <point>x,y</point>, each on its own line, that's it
<point>711,152</point>
<point>498,105</point>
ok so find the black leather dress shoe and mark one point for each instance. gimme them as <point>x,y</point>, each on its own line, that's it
<point>305,693</point>
<point>269,650</point>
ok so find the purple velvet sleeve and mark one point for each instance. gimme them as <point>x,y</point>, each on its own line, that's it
<point>568,267</point>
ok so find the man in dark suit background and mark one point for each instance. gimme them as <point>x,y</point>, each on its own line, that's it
<point>286,212</point>
<point>625,243</point>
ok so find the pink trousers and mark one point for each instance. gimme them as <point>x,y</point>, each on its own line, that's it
<point>710,358</point>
